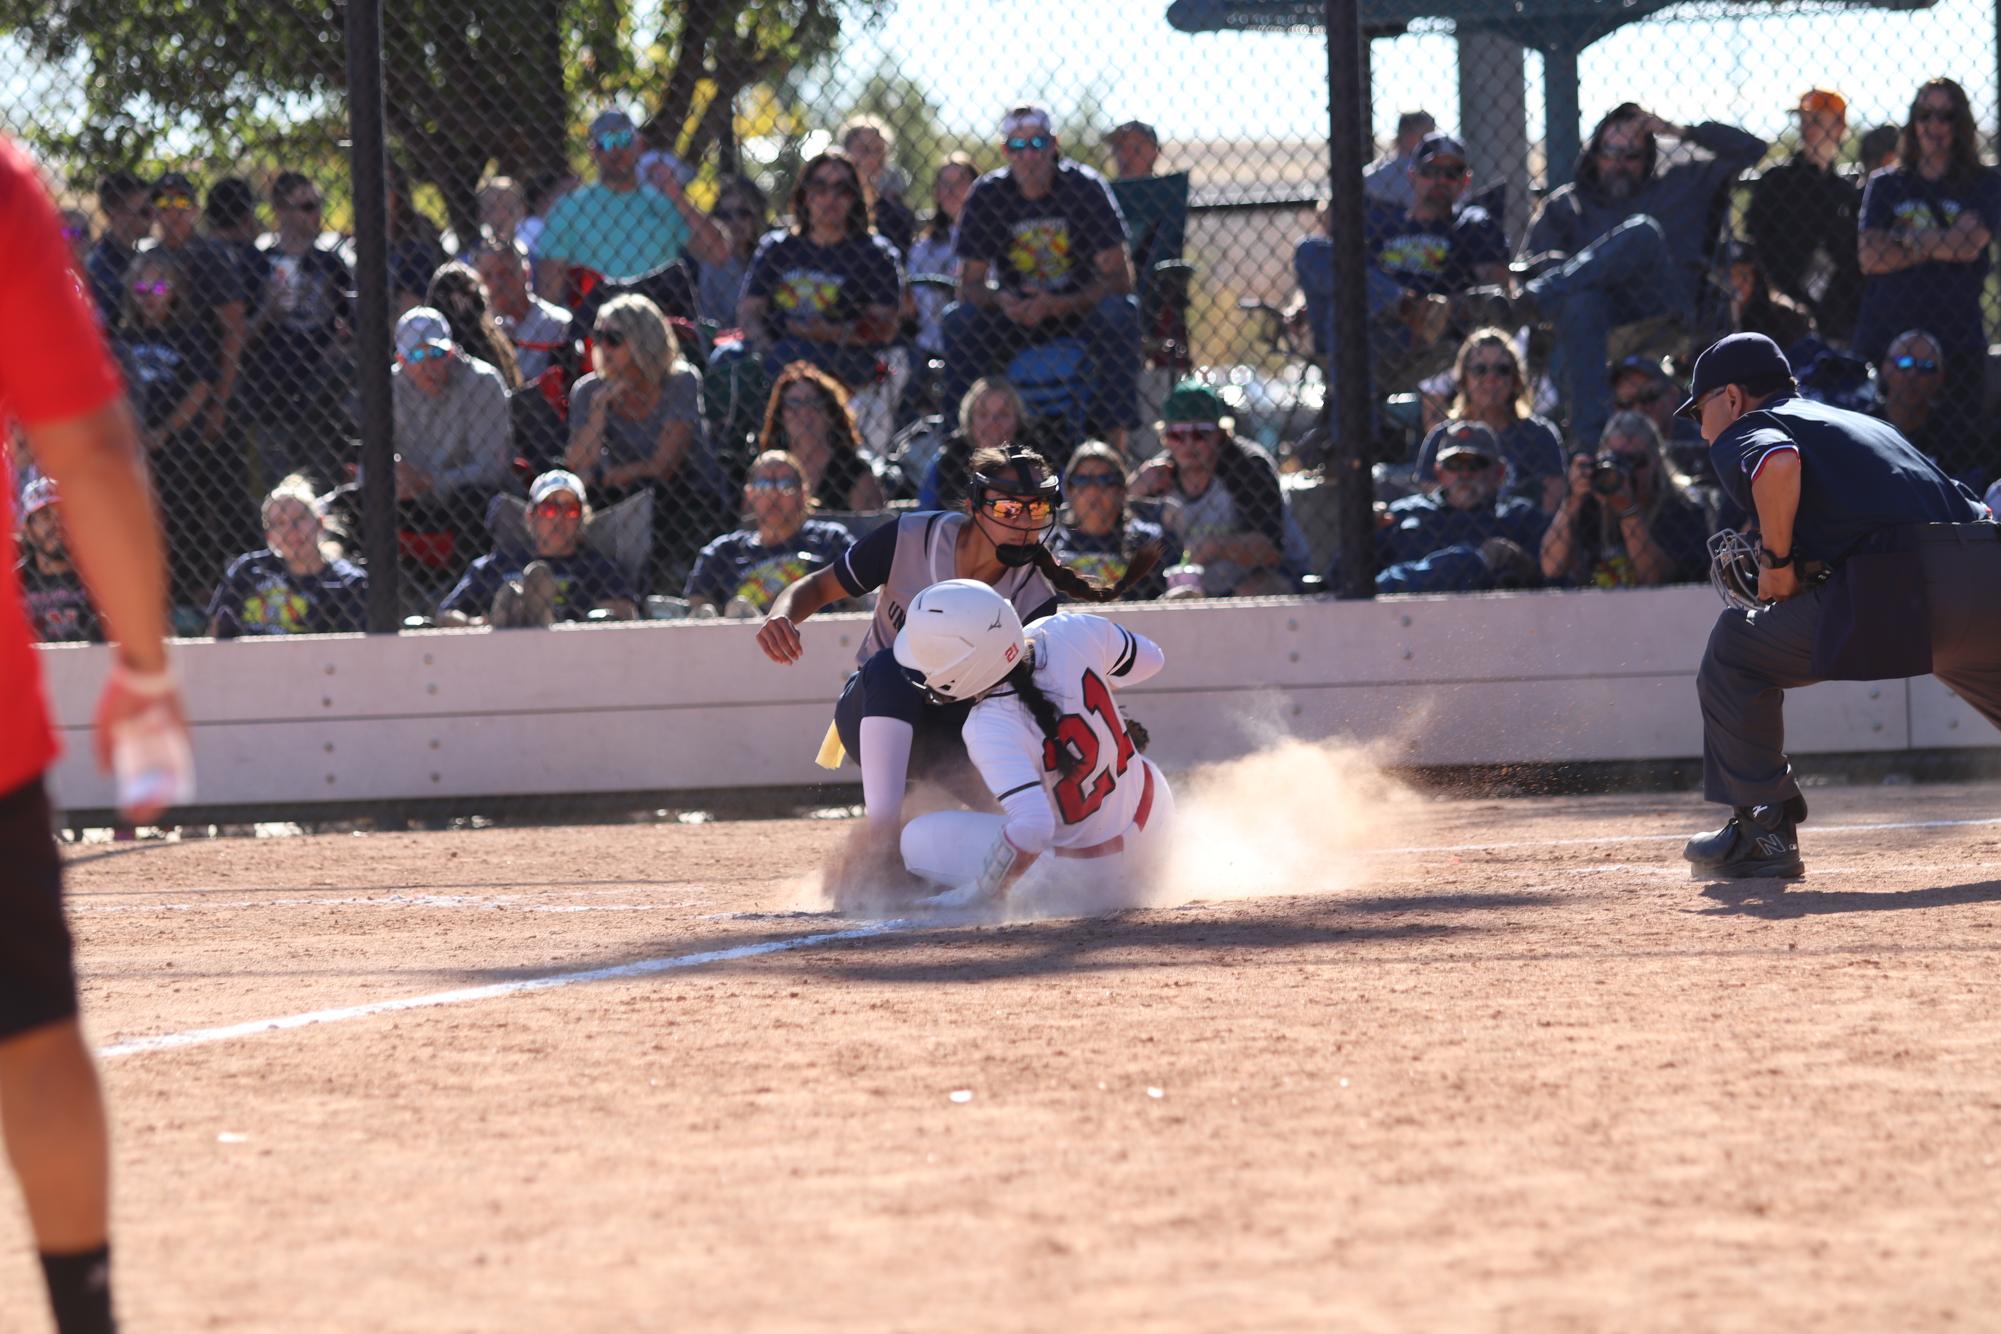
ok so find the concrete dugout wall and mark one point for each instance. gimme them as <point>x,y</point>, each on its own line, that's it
<point>666,706</point>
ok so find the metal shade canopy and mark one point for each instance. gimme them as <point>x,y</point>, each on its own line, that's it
<point>1560,29</point>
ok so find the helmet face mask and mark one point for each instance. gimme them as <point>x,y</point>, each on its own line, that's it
<point>1025,493</point>
<point>959,640</point>
<point>1733,569</point>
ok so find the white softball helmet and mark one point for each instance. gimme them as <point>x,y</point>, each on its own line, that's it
<point>959,638</point>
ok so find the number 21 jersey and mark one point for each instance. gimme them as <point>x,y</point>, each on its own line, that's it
<point>1079,661</point>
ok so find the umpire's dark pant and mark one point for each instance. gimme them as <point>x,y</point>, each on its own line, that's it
<point>1754,657</point>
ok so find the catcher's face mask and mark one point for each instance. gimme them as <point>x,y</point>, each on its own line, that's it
<point>1021,496</point>
<point>1733,569</point>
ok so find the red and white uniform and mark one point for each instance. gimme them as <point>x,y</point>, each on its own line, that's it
<point>1108,816</point>
<point>53,367</point>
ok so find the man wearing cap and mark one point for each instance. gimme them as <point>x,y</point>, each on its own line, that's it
<point>1802,219</point>
<point>1432,249</point>
<point>1049,235</point>
<point>558,579</point>
<point>59,609</point>
<point>1465,536</point>
<point>1872,565</point>
<point>1229,511</point>
<point>454,436</point>
<point>1626,241</point>
<point>1387,179</point>
<point>621,227</point>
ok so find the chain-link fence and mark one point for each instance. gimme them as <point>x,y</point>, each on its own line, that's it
<point>635,250</point>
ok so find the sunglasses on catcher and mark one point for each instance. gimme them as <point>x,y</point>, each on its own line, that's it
<point>1019,510</point>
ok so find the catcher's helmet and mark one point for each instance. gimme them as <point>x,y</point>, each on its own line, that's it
<point>959,639</point>
<point>1733,569</point>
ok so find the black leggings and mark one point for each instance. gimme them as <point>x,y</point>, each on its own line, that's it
<point>37,977</point>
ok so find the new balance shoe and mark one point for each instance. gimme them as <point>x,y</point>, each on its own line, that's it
<point>1757,842</point>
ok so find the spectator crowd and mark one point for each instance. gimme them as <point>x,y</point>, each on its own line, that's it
<point>611,401</point>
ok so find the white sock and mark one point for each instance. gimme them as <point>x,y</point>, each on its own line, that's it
<point>885,760</point>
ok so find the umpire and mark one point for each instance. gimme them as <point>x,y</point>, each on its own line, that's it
<point>1872,565</point>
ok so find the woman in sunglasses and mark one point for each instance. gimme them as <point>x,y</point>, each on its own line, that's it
<point>299,583</point>
<point>828,290</point>
<point>636,425</point>
<point>742,214</point>
<point>168,354</point>
<point>1627,520</point>
<point>1099,535</point>
<point>740,573</point>
<point>808,416</point>
<point>1927,226</point>
<point>1489,388</point>
<point>882,719</point>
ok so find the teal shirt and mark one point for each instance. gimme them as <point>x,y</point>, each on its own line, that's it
<point>620,234</point>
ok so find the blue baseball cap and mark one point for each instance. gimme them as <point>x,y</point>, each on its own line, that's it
<point>1742,358</point>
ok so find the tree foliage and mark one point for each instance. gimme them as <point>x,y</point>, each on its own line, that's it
<point>471,86</point>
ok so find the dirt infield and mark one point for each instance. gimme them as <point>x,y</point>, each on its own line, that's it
<point>1504,1068</point>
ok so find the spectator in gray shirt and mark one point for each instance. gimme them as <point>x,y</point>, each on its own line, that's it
<point>540,330</point>
<point>454,439</point>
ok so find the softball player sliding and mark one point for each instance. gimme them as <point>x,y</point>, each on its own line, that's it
<point>998,542</point>
<point>1046,735</point>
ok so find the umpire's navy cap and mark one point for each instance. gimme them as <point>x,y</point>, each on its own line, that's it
<point>1742,358</point>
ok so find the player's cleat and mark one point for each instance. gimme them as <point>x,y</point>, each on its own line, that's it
<point>968,895</point>
<point>1758,842</point>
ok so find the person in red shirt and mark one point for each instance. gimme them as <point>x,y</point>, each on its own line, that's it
<point>58,383</point>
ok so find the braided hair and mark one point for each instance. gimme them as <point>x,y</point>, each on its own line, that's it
<point>1049,721</point>
<point>1023,472</point>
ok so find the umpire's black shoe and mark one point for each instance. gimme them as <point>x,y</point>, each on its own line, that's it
<point>1758,842</point>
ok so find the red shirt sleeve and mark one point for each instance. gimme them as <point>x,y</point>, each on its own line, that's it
<point>53,361</point>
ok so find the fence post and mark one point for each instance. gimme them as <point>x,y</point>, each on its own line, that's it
<point>369,168</point>
<point>1349,417</point>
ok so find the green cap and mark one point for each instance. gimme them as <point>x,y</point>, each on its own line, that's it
<point>1193,401</point>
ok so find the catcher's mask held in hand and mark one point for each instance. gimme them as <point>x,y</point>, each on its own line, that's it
<point>1021,493</point>
<point>958,640</point>
<point>1733,569</point>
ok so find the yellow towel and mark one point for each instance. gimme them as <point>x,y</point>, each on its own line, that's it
<point>832,752</point>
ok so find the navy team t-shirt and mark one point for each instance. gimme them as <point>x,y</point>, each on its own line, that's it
<point>1436,256</point>
<point>258,595</point>
<point>1046,244</point>
<point>737,565</point>
<point>801,280</point>
<point>1939,297</point>
<point>584,579</point>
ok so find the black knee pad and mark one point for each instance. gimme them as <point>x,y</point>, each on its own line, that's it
<point>37,972</point>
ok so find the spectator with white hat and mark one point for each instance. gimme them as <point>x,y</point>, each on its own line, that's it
<point>454,437</point>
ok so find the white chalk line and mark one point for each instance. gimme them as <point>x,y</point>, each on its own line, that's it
<point>199,1037</point>
<point>1812,831</point>
<point>482,903</point>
